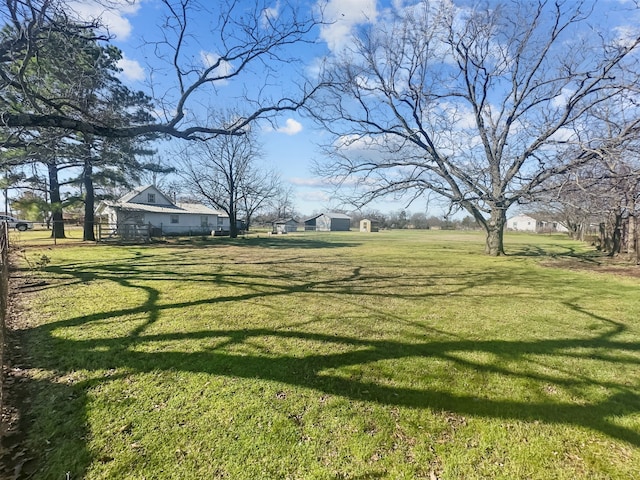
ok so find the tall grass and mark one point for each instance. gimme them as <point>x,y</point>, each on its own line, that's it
<point>327,356</point>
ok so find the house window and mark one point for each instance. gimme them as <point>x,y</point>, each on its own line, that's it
<point>204,221</point>
<point>151,198</point>
<point>220,221</point>
<point>175,219</point>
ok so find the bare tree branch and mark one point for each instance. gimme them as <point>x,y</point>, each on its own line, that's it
<point>244,40</point>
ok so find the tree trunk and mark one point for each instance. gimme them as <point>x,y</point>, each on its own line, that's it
<point>89,202</point>
<point>631,235</point>
<point>495,232</point>
<point>636,236</point>
<point>57,228</point>
<point>233,225</point>
<point>233,213</point>
<point>616,237</point>
<point>602,237</point>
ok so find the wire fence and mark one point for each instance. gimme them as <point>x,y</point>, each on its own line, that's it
<point>4,297</point>
<point>54,233</point>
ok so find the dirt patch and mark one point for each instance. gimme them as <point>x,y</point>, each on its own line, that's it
<point>613,265</point>
<point>16,461</point>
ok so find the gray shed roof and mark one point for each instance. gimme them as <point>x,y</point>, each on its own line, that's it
<point>330,215</point>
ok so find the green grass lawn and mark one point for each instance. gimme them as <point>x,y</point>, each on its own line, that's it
<point>395,355</point>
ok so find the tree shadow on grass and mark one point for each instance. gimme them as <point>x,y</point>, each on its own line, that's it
<point>563,251</point>
<point>286,242</point>
<point>320,368</point>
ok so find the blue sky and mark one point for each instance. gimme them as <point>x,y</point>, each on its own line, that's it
<point>290,145</point>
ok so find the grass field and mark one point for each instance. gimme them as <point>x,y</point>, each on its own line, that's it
<point>394,355</point>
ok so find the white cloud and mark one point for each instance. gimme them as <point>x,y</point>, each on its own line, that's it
<point>225,68</point>
<point>626,35</point>
<point>343,16</point>
<point>270,14</point>
<point>113,15</point>
<point>291,127</point>
<point>131,69</point>
<point>309,182</point>
<point>317,196</point>
<point>563,135</point>
<point>561,100</point>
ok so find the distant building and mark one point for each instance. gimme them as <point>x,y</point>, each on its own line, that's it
<point>284,225</point>
<point>534,223</point>
<point>367,225</point>
<point>328,222</point>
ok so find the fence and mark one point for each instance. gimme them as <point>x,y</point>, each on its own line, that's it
<point>4,296</point>
<point>123,233</point>
<point>106,232</point>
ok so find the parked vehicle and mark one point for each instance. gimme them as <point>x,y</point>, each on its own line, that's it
<point>21,225</point>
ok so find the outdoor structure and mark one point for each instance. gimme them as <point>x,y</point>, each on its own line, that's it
<point>284,225</point>
<point>367,225</point>
<point>531,223</point>
<point>328,222</point>
<point>147,208</point>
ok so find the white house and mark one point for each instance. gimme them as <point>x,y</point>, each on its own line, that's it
<point>148,206</point>
<point>522,223</point>
<point>527,223</point>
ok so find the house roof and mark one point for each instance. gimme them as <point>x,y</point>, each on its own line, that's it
<point>138,190</point>
<point>285,220</point>
<point>125,204</point>
<point>540,217</point>
<point>191,208</point>
<point>521,215</point>
<point>338,215</point>
<point>201,209</point>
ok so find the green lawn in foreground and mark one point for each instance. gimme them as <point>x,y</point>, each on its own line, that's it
<point>393,355</point>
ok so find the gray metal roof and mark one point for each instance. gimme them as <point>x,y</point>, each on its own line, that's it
<point>330,215</point>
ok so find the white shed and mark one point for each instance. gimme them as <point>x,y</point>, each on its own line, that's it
<point>367,225</point>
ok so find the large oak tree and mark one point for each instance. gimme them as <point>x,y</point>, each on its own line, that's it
<point>481,106</point>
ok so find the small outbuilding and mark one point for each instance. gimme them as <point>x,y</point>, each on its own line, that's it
<point>284,225</point>
<point>328,222</point>
<point>368,226</point>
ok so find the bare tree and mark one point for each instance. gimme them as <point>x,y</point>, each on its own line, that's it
<point>244,35</point>
<point>481,106</point>
<point>259,189</point>
<point>603,199</point>
<point>282,204</point>
<point>605,192</point>
<point>222,172</point>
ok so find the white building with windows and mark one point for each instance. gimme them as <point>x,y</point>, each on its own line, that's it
<point>147,206</point>
<point>527,223</point>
